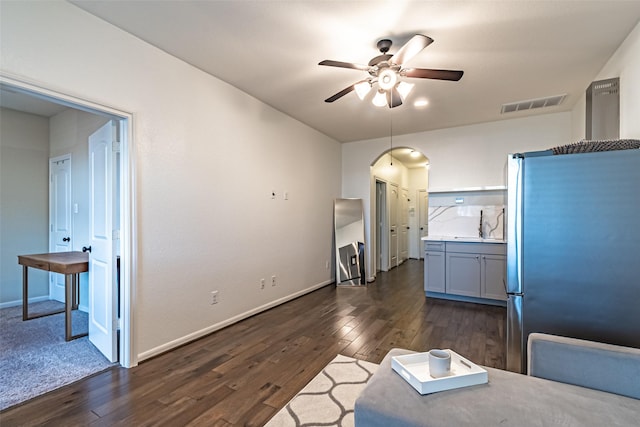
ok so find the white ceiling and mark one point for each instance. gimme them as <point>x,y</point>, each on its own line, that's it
<point>17,100</point>
<point>509,50</point>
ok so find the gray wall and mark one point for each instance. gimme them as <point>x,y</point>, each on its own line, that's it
<point>24,201</point>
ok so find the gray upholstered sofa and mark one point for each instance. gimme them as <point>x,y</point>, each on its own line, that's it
<point>570,383</point>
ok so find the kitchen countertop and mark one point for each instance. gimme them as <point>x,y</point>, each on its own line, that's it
<point>461,239</point>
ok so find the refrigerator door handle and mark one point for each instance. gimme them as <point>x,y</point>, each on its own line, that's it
<point>514,224</point>
<point>515,340</point>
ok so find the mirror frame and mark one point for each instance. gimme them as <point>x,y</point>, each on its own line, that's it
<point>349,241</point>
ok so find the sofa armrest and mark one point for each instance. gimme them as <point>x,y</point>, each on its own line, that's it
<point>605,367</point>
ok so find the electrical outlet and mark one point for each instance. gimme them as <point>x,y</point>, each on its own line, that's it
<point>273,280</point>
<point>326,264</point>
<point>214,297</point>
<point>261,283</point>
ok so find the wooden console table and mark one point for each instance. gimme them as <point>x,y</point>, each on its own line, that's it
<point>71,264</point>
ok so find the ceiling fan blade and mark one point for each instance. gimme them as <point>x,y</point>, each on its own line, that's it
<point>340,94</point>
<point>393,98</point>
<point>411,49</point>
<point>331,63</point>
<point>425,73</point>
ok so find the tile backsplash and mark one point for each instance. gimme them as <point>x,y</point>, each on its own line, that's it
<point>464,221</point>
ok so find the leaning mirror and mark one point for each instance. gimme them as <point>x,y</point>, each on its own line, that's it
<point>348,221</point>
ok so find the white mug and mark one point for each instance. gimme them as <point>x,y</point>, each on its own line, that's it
<point>439,363</point>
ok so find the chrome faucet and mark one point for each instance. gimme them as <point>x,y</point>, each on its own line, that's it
<point>480,232</point>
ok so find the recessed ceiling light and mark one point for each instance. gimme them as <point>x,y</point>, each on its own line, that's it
<point>421,103</point>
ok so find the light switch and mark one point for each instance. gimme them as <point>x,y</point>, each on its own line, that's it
<point>75,208</point>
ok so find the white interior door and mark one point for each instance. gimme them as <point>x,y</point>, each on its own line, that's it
<point>394,196</point>
<point>382,236</point>
<point>102,288</point>
<point>60,229</point>
<point>423,203</point>
<point>403,251</point>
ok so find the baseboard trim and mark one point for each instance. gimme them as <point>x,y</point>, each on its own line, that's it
<point>462,298</point>
<point>19,301</point>
<point>215,327</point>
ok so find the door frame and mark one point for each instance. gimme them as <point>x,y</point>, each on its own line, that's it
<point>128,243</point>
<point>422,211</point>
<point>382,226</point>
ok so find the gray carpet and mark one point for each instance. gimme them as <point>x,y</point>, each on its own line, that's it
<point>329,399</point>
<point>35,358</point>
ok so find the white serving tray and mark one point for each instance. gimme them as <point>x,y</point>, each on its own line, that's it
<point>414,368</point>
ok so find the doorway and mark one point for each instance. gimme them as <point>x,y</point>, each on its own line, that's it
<point>423,218</point>
<point>382,237</point>
<point>397,175</point>
<point>125,206</point>
<point>393,199</point>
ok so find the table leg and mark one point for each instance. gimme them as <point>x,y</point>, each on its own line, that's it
<point>68,304</point>
<point>25,298</point>
<point>76,292</point>
<point>71,301</point>
<point>25,292</point>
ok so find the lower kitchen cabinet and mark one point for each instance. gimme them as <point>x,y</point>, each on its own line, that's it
<point>466,269</point>
<point>493,283</point>
<point>434,271</point>
<point>463,274</point>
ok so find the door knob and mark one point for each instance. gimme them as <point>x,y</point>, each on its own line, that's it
<point>66,239</point>
<point>86,249</point>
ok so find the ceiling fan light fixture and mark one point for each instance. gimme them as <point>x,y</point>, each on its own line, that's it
<point>380,100</point>
<point>362,89</point>
<point>404,88</point>
<point>387,79</point>
<point>386,71</point>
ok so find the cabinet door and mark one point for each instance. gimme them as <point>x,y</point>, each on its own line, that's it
<point>434,271</point>
<point>463,274</point>
<point>493,277</point>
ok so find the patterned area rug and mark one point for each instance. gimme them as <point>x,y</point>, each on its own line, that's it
<point>329,398</point>
<point>35,358</point>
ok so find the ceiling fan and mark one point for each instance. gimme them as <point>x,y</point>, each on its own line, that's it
<point>385,71</point>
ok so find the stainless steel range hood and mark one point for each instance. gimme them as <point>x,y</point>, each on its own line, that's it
<point>603,110</point>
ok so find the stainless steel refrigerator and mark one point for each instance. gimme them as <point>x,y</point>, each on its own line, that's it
<point>573,248</point>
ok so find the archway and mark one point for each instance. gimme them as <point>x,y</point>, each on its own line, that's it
<point>399,179</point>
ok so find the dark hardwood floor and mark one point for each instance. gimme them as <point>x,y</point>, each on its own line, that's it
<point>243,374</point>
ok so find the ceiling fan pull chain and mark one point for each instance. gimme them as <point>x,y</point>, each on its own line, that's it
<point>391,129</point>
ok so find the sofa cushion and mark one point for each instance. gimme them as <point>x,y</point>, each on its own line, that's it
<point>508,399</point>
<point>606,367</point>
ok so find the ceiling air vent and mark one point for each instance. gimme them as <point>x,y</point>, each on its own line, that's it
<point>549,101</point>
